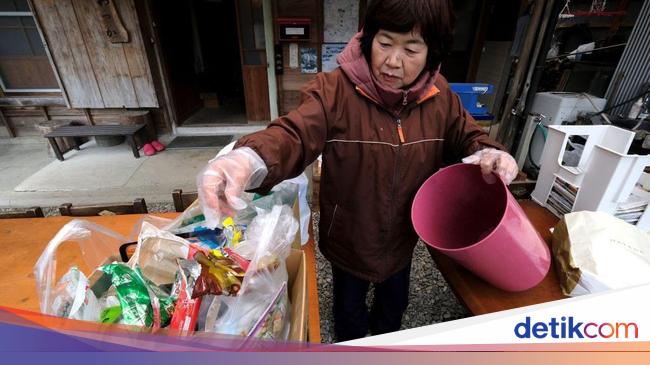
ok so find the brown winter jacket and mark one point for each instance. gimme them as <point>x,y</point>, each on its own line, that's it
<point>369,175</point>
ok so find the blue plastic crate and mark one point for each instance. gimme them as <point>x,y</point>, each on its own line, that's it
<point>469,93</point>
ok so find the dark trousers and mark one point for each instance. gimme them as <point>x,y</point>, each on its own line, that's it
<point>351,317</point>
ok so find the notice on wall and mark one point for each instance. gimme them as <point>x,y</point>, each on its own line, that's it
<point>308,60</point>
<point>341,19</point>
<point>293,55</point>
<point>329,53</point>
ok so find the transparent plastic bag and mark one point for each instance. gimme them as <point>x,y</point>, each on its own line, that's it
<point>97,245</point>
<point>91,296</point>
<point>262,307</point>
<point>191,220</point>
<point>284,193</point>
<point>73,297</point>
<point>156,254</point>
<point>260,314</point>
<point>158,222</point>
<point>303,184</point>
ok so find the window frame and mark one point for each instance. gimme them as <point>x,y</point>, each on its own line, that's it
<point>5,90</point>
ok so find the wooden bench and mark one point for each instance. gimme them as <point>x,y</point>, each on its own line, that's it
<point>33,212</point>
<point>139,206</point>
<point>127,131</point>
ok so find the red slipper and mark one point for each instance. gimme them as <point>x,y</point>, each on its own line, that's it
<point>148,150</point>
<point>158,146</point>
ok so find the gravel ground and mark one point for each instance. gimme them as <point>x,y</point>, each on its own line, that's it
<point>430,299</point>
<point>151,207</point>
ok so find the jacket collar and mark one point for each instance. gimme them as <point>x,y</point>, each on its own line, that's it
<point>356,68</point>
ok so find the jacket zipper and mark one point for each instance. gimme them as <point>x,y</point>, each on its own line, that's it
<point>402,140</point>
<point>394,188</point>
<point>400,132</point>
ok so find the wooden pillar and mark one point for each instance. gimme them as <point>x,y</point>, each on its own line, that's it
<point>89,117</point>
<point>43,110</point>
<point>6,123</point>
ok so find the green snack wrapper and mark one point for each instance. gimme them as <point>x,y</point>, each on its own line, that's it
<point>111,314</point>
<point>142,302</point>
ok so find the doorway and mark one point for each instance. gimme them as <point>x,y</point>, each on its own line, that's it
<point>201,44</point>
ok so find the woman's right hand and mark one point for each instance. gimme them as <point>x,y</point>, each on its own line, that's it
<point>222,182</point>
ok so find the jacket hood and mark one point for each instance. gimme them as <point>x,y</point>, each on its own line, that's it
<point>356,68</point>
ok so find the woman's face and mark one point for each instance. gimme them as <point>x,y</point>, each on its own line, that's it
<point>398,58</point>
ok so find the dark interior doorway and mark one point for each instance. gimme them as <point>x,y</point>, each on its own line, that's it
<point>200,46</point>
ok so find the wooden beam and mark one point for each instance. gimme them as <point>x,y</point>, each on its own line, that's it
<point>507,122</point>
<point>32,101</point>
<point>479,39</point>
<point>156,62</point>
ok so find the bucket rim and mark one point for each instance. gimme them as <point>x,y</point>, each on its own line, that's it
<point>499,181</point>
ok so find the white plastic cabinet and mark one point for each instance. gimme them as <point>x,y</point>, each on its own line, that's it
<point>605,178</point>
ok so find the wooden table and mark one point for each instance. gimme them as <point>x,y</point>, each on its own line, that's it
<point>480,297</point>
<point>23,240</point>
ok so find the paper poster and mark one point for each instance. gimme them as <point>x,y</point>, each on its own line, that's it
<point>293,55</point>
<point>308,60</point>
<point>341,19</point>
<point>328,59</point>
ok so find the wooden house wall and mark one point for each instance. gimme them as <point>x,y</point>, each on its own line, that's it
<point>26,121</point>
<point>95,72</point>
<point>103,82</point>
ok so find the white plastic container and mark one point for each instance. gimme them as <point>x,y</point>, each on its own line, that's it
<point>556,107</point>
<point>564,106</point>
<point>605,178</point>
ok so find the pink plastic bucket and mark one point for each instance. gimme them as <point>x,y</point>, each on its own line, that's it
<point>481,226</point>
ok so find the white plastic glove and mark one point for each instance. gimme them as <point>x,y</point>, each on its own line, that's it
<point>222,182</point>
<point>493,160</point>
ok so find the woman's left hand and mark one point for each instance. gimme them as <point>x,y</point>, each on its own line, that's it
<point>493,160</point>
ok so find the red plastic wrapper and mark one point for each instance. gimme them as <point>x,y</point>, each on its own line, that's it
<point>186,311</point>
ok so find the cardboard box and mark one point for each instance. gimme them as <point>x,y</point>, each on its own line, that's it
<point>297,270</point>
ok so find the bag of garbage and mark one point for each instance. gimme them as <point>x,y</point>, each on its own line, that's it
<point>261,308</point>
<point>68,295</point>
<point>98,288</point>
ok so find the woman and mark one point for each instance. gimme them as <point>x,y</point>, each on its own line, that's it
<point>384,121</point>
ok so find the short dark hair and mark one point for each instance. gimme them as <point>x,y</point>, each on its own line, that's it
<point>434,18</point>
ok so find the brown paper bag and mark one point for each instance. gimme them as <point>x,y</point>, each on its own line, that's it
<point>595,251</point>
